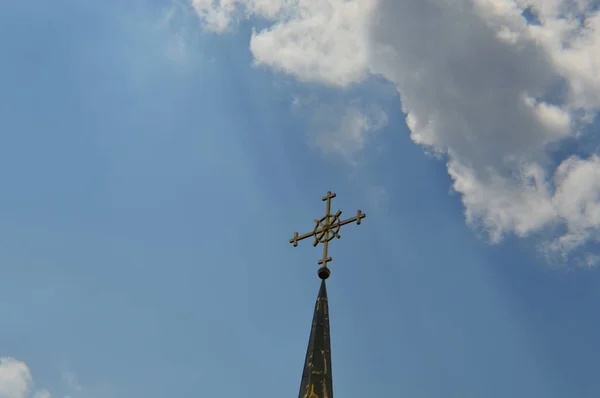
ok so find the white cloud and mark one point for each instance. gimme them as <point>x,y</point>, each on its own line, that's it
<point>344,129</point>
<point>318,40</point>
<point>479,99</point>
<point>218,15</point>
<point>16,380</point>
<point>215,14</point>
<point>315,40</point>
<point>479,84</point>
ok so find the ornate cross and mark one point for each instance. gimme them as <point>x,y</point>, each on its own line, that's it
<point>327,228</point>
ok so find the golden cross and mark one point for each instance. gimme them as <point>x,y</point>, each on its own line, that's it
<point>325,230</point>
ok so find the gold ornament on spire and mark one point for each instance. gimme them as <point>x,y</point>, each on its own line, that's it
<point>327,228</point>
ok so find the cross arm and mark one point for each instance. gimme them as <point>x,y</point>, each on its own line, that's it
<point>297,238</point>
<point>359,216</point>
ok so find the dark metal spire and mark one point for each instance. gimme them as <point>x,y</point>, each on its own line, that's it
<point>316,378</point>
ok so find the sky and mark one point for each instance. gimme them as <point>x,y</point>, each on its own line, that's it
<point>156,156</point>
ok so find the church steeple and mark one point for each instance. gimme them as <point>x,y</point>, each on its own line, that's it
<point>317,381</point>
<point>316,377</point>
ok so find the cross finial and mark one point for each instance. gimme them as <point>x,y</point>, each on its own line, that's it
<point>326,228</point>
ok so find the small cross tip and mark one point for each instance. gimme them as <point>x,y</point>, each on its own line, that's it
<point>329,195</point>
<point>294,240</point>
<point>359,216</point>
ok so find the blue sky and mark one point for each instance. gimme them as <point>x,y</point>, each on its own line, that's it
<point>152,175</point>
